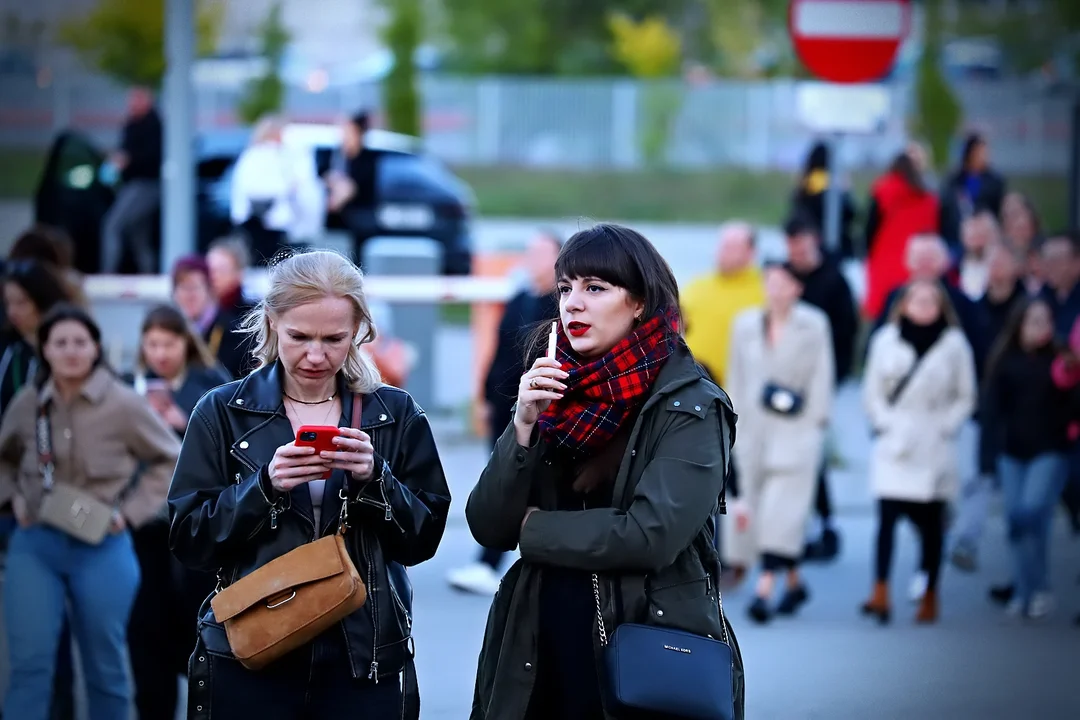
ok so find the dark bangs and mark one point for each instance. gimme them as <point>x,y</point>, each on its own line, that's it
<point>624,258</point>
<point>599,253</point>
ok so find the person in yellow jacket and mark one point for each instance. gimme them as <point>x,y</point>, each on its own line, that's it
<point>711,303</point>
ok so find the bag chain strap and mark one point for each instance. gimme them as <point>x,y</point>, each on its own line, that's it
<point>602,628</point>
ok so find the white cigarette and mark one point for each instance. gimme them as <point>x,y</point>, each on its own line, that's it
<point>552,338</point>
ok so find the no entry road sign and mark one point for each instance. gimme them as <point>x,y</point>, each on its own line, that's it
<point>848,41</point>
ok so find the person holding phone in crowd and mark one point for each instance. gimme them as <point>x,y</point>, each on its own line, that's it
<point>614,464</point>
<point>245,493</point>
<point>173,369</point>
<point>78,432</point>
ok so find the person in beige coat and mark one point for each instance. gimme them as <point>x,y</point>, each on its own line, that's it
<point>780,376</point>
<point>919,388</point>
<point>70,445</point>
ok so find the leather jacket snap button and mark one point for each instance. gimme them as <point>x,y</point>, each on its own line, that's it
<point>528,667</point>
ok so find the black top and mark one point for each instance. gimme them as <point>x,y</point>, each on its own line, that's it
<point>363,172</point>
<point>523,313</point>
<point>996,314</point>
<point>827,289</point>
<point>971,321</point>
<point>142,141</point>
<point>1024,413</point>
<point>1065,311</point>
<point>18,364</point>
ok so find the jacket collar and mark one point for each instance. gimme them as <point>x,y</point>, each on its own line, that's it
<point>261,392</point>
<point>93,388</point>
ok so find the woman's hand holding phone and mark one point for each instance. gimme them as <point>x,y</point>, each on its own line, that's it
<point>538,387</point>
<point>355,454</point>
<point>294,465</point>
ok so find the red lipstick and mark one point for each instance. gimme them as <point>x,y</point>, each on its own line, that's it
<point>577,329</point>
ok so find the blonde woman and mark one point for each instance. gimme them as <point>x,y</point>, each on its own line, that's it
<point>277,197</point>
<point>781,379</point>
<point>919,389</point>
<point>244,494</point>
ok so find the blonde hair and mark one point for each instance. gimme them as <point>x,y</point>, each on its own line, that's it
<point>947,310</point>
<point>267,127</point>
<point>308,277</point>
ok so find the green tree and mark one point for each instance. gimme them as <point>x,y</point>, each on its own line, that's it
<point>125,39</point>
<point>403,34</point>
<point>543,37</point>
<point>651,51</point>
<point>938,113</point>
<point>266,93</point>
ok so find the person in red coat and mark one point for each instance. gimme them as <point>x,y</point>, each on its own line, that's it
<point>900,208</point>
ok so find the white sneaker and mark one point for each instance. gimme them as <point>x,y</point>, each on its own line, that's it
<point>477,578</point>
<point>1041,605</point>
<point>917,588</point>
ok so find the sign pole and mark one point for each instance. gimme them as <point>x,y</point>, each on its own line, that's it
<point>1074,167</point>
<point>178,172</point>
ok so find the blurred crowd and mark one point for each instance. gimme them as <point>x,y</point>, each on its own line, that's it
<point>277,198</point>
<point>969,327</point>
<point>186,347</point>
<point>967,336</point>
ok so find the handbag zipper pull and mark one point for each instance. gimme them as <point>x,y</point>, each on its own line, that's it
<point>373,673</point>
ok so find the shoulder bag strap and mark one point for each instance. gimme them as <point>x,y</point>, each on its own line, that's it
<point>357,407</point>
<point>899,389</point>
<point>44,447</point>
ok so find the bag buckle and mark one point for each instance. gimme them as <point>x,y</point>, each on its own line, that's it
<point>271,606</point>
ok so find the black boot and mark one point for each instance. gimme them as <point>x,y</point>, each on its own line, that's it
<point>1002,594</point>
<point>825,548</point>
<point>793,599</point>
<point>759,611</point>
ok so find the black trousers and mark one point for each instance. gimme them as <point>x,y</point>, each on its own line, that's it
<point>161,631</point>
<point>929,520</point>
<point>822,502</point>
<point>265,243</point>
<point>312,683</point>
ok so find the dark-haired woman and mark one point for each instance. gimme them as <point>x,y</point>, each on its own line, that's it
<point>973,187</point>
<point>173,369</point>
<point>99,433</point>
<point>1025,419</point>
<point>30,290</point>
<point>781,378</point>
<point>606,480</point>
<point>901,207</point>
<point>809,197</point>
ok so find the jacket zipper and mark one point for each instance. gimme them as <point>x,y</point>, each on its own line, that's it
<point>401,606</point>
<point>369,558</point>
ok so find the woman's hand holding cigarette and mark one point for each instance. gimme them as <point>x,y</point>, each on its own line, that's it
<point>538,387</point>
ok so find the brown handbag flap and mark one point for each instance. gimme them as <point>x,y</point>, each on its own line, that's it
<point>306,564</point>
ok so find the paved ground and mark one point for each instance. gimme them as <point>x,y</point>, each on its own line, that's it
<point>828,662</point>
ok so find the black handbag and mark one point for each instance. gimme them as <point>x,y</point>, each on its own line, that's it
<point>669,672</point>
<point>782,400</point>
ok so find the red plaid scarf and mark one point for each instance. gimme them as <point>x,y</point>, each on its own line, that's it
<point>601,394</point>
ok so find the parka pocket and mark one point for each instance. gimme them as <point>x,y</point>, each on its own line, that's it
<point>688,605</point>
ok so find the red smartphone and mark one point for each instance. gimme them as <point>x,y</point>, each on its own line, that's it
<point>320,437</point>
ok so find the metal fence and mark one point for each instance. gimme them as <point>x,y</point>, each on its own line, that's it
<point>582,123</point>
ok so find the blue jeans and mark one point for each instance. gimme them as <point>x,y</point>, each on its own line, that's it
<point>45,570</point>
<point>1031,490</point>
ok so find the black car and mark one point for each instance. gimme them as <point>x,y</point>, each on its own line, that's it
<point>417,195</point>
